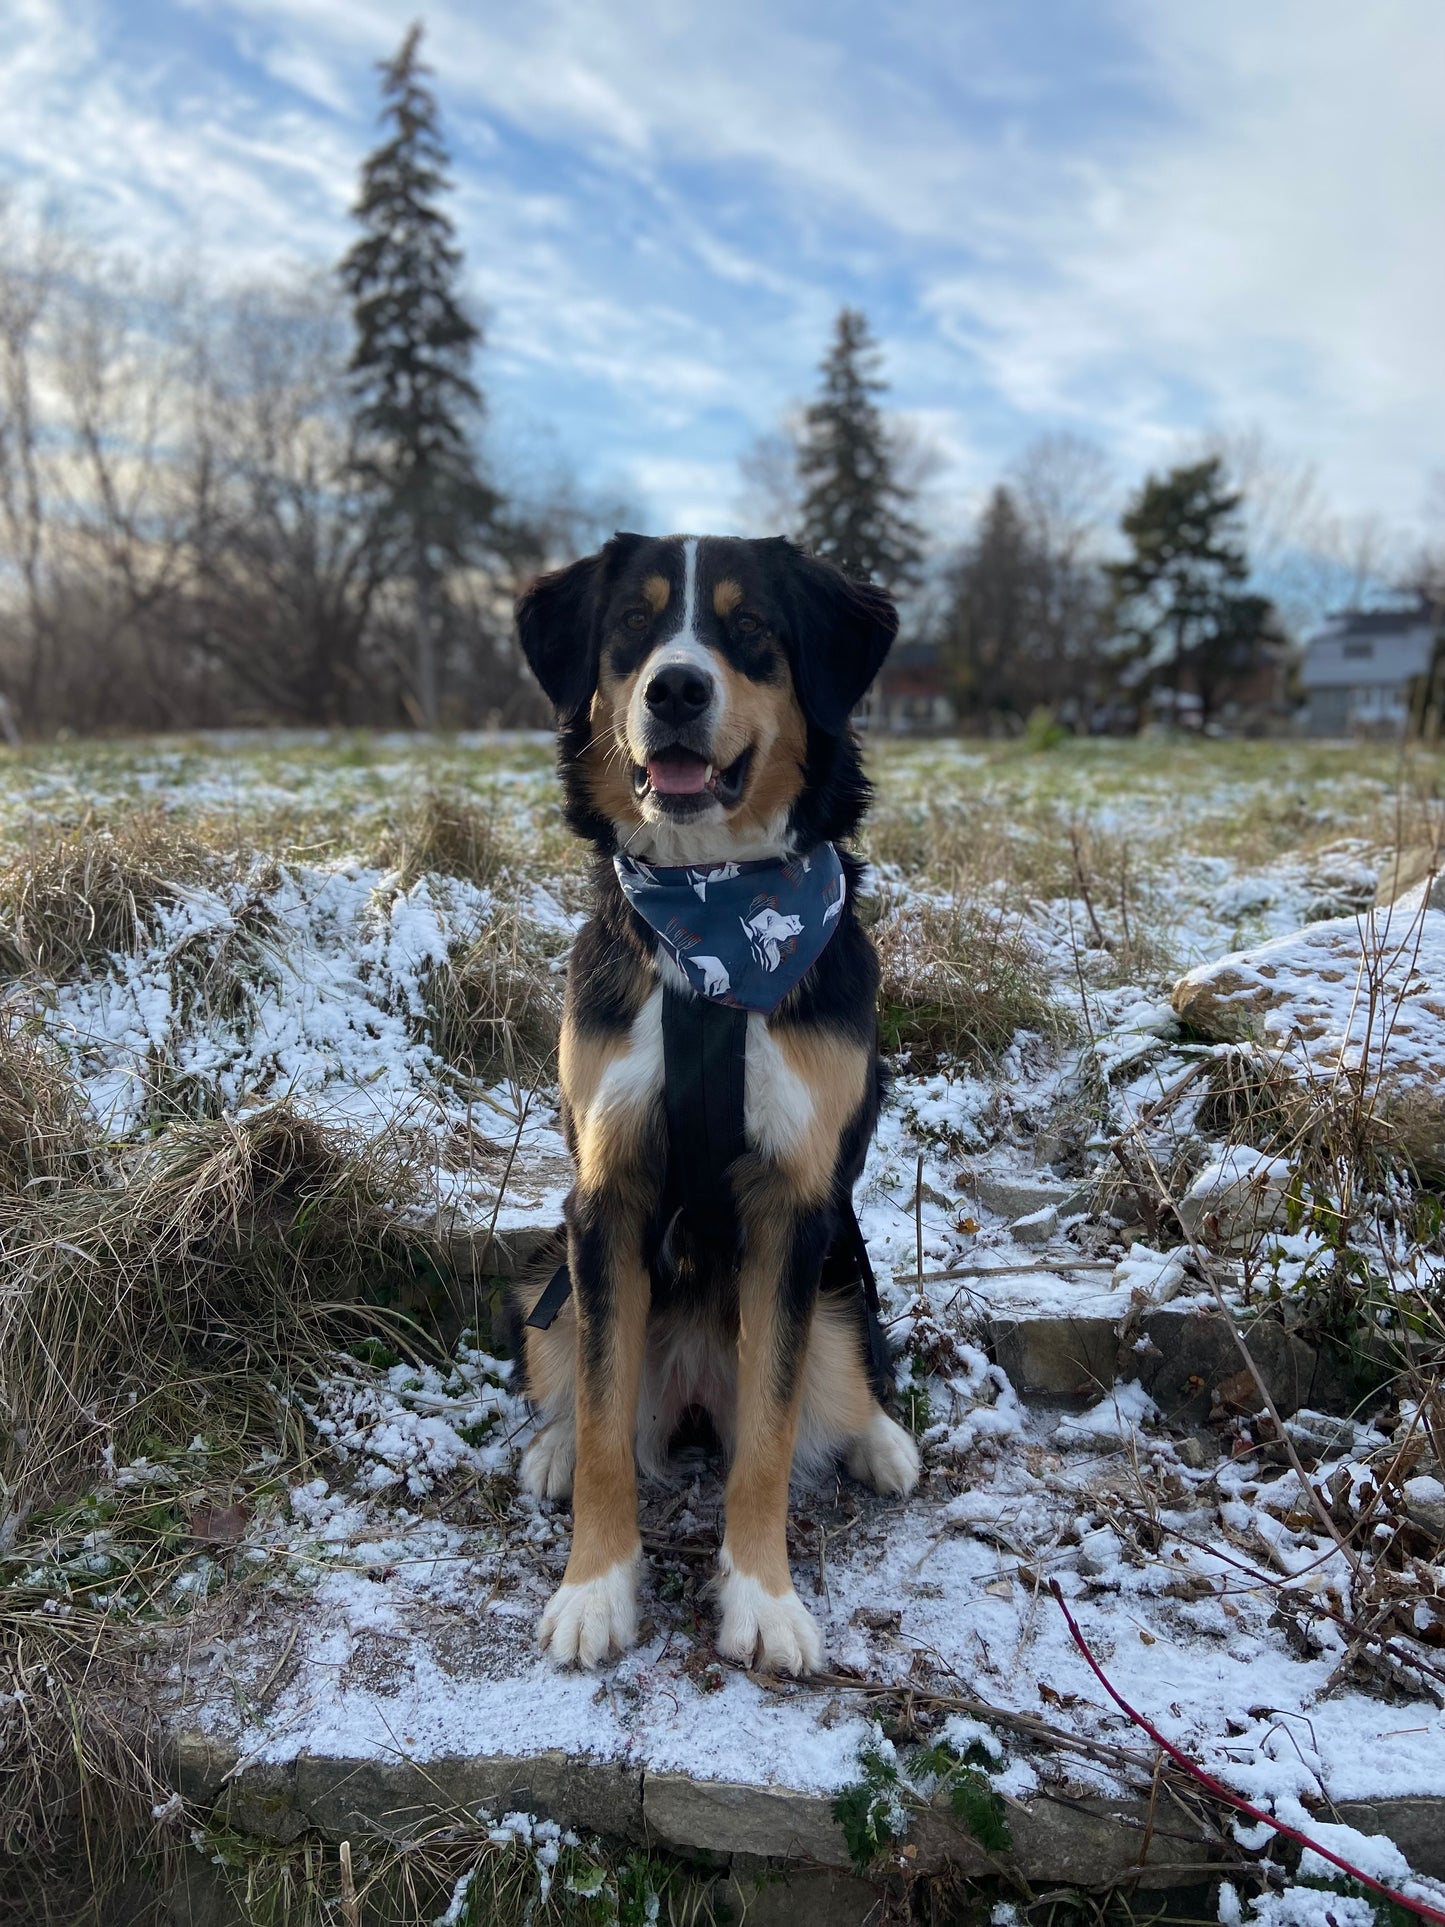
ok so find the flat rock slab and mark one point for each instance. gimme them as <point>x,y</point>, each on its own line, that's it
<point>1179,1357</point>
<point>1024,1197</point>
<point>1335,996</point>
<point>1087,1839</point>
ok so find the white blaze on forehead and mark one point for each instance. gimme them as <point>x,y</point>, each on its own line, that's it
<point>687,646</point>
<point>689,587</point>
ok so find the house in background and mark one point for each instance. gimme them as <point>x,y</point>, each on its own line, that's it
<point>912,694</point>
<point>1367,671</point>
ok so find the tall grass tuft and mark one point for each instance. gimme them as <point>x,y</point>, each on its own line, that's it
<point>444,834</point>
<point>959,982</point>
<point>222,1260</point>
<point>68,904</point>
<point>494,1008</point>
<point>46,1138</point>
<point>173,1293</point>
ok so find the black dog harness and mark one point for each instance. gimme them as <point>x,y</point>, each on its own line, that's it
<point>704,1059</point>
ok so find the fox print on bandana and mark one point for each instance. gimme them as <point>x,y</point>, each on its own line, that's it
<point>742,933</point>
<point>771,934</point>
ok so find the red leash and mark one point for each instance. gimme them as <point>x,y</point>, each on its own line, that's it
<point>1222,1792</point>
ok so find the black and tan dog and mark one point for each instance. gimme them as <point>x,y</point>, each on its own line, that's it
<point>703,690</point>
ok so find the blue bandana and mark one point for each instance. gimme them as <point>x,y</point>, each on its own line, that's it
<point>742,933</point>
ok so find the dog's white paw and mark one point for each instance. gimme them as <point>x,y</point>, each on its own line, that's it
<point>548,1462</point>
<point>775,1633</point>
<point>587,1623</point>
<point>884,1457</point>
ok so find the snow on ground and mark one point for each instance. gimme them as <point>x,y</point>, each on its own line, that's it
<point>409,1565</point>
<point>417,1633</point>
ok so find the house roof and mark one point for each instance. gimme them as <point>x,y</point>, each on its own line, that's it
<point>1369,648</point>
<point>914,655</point>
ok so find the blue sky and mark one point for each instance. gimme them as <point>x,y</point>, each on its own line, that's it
<point>1138,220</point>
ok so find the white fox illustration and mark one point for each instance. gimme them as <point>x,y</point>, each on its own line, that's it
<point>700,879</point>
<point>767,932</point>
<point>836,909</point>
<point>715,979</point>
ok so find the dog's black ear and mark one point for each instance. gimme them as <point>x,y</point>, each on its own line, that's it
<point>842,631</point>
<point>558,619</point>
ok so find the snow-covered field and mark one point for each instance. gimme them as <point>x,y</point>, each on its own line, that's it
<point>393,1582</point>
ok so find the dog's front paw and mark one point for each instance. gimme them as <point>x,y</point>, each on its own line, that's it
<point>771,1632</point>
<point>588,1622</point>
<point>884,1457</point>
<point>548,1462</point>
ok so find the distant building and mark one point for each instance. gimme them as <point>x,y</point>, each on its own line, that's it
<point>1247,693</point>
<point>1367,671</point>
<point>912,692</point>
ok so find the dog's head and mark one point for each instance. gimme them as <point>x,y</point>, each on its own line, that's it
<point>703,687</point>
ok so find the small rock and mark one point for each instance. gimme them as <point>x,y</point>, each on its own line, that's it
<point>1037,1228</point>
<point>1324,1435</point>
<point>878,1619</point>
<point>1190,1452</point>
<point>1020,1197</point>
<point>1425,1505</point>
<point>1412,877</point>
<point>1098,1552</point>
<point>1234,1199</point>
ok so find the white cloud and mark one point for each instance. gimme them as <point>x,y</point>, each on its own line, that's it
<point>1278,248</point>
<point>689,495</point>
<point>662,206</point>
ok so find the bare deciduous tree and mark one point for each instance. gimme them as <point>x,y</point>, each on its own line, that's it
<point>290,560</point>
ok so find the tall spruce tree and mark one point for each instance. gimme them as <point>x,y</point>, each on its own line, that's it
<point>990,639</point>
<point>855,510</point>
<point>416,404</point>
<point>1179,593</point>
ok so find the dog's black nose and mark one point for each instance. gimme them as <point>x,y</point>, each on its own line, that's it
<point>679,693</point>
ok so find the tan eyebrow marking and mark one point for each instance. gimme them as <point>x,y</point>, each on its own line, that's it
<point>656,589</point>
<point>726,596</point>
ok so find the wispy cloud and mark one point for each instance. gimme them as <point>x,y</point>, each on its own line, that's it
<point>1136,218</point>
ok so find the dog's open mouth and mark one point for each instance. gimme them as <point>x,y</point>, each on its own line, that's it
<point>682,779</point>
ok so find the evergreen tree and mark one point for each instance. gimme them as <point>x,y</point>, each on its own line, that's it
<point>1178,594</point>
<point>855,510</point>
<point>990,639</point>
<point>414,398</point>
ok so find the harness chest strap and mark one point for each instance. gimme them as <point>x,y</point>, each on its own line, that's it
<point>704,1054</point>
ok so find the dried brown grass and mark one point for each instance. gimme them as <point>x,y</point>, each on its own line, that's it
<point>46,1138</point>
<point>183,1289</point>
<point>68,903</point>
<point>959,982</point>
<point>223,1257</point>
<point>444,834</point>
<point>494,1008</point>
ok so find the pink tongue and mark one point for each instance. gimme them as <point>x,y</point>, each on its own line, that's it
<point>677,776</point>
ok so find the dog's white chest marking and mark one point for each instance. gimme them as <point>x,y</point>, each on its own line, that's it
<point>634,1079</point>
<point>777,1104</point>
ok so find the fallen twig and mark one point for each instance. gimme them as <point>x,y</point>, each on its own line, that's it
<point>1221,1792</point>
<point>1280,1580</point>
<point>1004,1271</point>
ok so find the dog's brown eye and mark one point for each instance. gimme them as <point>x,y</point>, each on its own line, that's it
<point>748,625</point>
<point>635,619</point>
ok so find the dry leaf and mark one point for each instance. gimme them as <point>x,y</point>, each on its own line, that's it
<point>218,1525</point>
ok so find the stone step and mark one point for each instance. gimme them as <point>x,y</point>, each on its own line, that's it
<point>753,1833</point>
<point>1180,1357</point>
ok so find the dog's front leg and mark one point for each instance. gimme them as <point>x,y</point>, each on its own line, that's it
<point>764,1623</point>
<point>593,1613</point>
